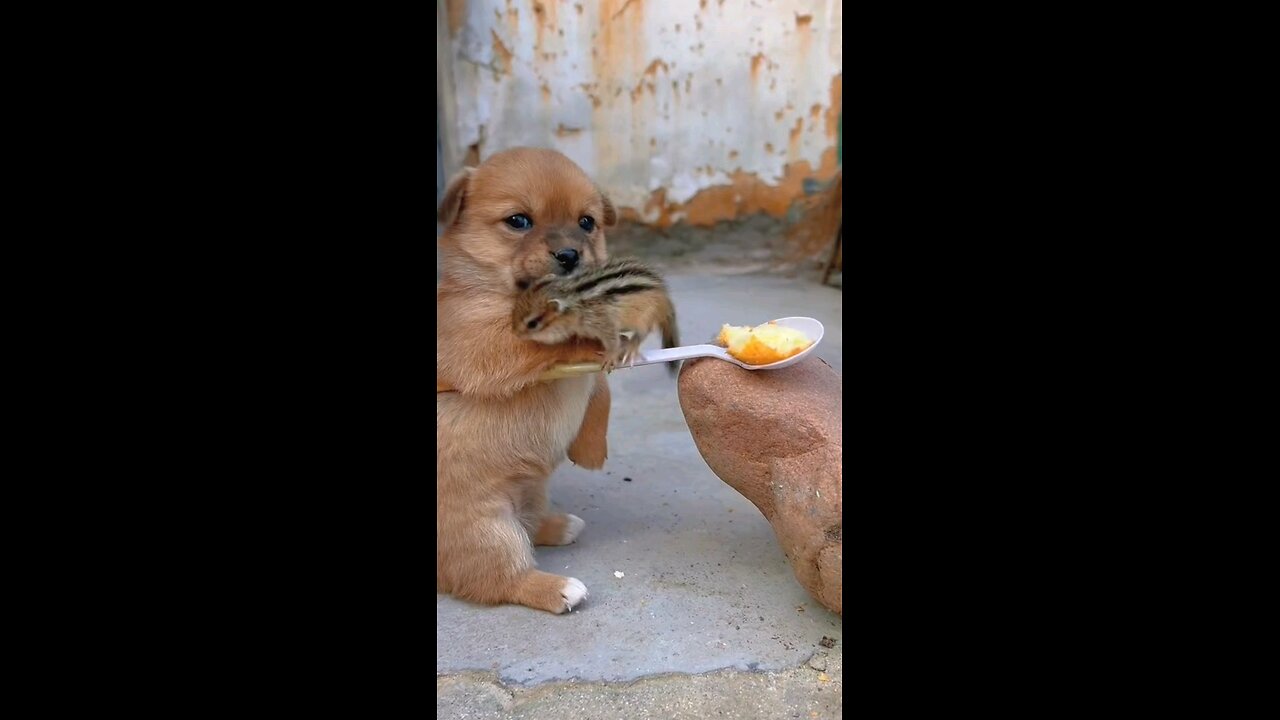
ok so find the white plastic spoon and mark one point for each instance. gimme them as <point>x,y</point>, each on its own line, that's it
<point>811,328</point>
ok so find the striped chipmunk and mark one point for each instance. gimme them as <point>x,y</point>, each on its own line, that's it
<point>618,303</point>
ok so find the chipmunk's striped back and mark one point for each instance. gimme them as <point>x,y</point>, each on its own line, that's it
<point>617,277</point>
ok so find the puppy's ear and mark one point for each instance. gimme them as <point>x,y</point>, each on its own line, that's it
<point>454,197</point>
<point>610,214</point>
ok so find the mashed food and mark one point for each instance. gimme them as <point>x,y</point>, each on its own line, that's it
<point>762,344</point>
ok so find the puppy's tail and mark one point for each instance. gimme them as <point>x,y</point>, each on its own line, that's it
<point>670,339</point>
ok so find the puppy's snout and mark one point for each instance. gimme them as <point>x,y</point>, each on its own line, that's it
<point>567,257</point>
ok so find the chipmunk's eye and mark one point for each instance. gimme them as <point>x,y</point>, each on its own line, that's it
<point>586,222</point>
<point>531,324</point>
<point>519,221</point>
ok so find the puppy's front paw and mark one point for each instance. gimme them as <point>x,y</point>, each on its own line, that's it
<point>573,592</point>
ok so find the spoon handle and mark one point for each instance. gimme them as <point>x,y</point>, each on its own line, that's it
<point>686,352</point>
<point>650,357</point>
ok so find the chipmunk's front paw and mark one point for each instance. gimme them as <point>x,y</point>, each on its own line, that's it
<point>630,347</point>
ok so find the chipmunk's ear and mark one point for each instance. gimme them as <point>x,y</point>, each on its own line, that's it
<point>454,197</point>
<point>557,305</point>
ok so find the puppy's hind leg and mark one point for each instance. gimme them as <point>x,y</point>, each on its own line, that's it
<point>548,528</point>
<point>491,562</point>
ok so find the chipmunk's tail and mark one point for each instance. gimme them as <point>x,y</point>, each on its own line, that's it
<point>670,339</point>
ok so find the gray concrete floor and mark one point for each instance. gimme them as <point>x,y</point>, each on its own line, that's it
<point>705,587</point>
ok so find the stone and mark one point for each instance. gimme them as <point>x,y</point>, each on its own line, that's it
<point>775,437</point>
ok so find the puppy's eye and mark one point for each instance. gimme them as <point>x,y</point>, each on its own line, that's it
<point>586,222</point>
<point>519,221</point>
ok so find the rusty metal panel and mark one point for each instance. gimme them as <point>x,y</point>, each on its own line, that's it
<point>695,110</point>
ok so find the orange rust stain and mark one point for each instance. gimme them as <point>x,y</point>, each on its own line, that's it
<point>545,18</point>
<point>745,194</point>
<point>622,9</point>
<point>815,111</point>
<point>457,10</point>
<point>804,41</point>
<point>778,115</point>
<point>833,111</point>
<point>652,70</point>
<point>539,16</point>
<point>562,131</point>
<point>793,140</point>
<point>546,92</point>
<point>768,147</point>
<point>653,142</point>
<point>756,61</point>
<point>733,154</point>
<point>617,62</point>
<point>548,12</point>
<point>501,55</point>
<point>803,20</point>
<point>658,201</point>
<point>702,4</point>
<point>578,7</point>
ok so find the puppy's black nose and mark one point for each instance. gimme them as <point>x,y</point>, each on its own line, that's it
<point>568,258</point>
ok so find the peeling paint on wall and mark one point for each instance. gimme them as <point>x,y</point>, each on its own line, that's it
<point>680,110</point>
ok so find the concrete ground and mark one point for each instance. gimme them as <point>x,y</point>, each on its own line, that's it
<point>706,619</point>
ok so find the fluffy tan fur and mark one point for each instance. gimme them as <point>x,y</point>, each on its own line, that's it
<point>500,433</point>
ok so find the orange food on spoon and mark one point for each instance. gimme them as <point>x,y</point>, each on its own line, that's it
<point>762,344</point>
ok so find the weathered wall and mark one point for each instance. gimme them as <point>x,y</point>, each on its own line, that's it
<point>695,110</point>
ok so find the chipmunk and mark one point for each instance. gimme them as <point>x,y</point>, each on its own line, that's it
<point>618,303</point>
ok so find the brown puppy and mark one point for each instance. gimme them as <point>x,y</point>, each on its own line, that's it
<point>520,215</point>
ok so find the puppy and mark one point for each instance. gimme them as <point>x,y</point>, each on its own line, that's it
<point>520,215</point>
